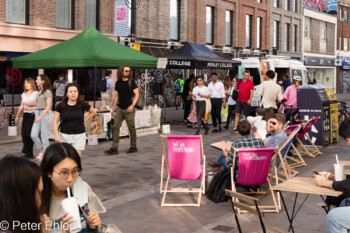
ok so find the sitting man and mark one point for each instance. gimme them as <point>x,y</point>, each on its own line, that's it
<point>226,159</point>
<point>338,219</point>
<point>275,127</point>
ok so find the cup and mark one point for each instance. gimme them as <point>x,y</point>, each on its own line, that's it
<point>339,172</point>
<point>70,205</point>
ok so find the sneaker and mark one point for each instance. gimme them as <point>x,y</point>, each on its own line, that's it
<point>215,131</point>
<point>39,157</point>
<point>225,127</point>
<point>132,150</point>
<point>234,131</point>
<point>212,163</point>
<point>112,151</point>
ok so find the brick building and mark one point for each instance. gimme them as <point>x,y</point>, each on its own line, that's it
<point>320,43</point>
<point>343,49</point>
<point>286,20</point>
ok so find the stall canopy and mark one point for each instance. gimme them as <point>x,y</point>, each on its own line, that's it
<point>90,48</point>
<point>198,56</point>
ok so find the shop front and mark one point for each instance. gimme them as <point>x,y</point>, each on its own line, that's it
<point>344,76</point>
<point>322,70</point>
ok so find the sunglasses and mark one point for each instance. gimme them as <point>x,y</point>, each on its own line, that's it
<point>273,123</point>
<point>127,71</point>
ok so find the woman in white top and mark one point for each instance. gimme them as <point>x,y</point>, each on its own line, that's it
<point>42,121</point>
<point>231,102</point>
<point>199,94</point>
<point>28,106</point>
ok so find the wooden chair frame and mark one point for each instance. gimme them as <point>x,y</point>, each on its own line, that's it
<point>235,197</point>
<point>169,189</point>
<point>276,207</point>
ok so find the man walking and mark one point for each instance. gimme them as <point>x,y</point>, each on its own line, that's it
<point>107,90</point>
<point>125,89</point>
<point>59,85</point>
<point>179,88</point>
<point>217,97</point>
<point>270,92</point>
<point>245,89</point>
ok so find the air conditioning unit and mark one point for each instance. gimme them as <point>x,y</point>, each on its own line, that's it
<point>124,40</point>
<point>209,47</point>
<point>172,44</point>
<point>246,51</point>
<point>256,52</point>
<point>226,50</point>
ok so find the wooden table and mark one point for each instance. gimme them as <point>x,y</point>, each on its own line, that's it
<point>303,185</point>
<point>222,145</point>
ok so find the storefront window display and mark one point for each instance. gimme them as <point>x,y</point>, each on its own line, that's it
<point>323,77</point>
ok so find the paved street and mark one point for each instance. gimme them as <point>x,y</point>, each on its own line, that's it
<point>128,185</point>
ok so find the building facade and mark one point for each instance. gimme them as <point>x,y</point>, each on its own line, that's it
<point>343,50</point>
<point>319,47</point>
<point>286,25</point>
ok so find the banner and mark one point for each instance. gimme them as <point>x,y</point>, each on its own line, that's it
<point>121,18</point>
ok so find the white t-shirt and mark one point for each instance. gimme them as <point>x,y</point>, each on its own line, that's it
<point>231,101</point>
<point>29,99</point>
<point>217,90</point>
<point>203,91</point>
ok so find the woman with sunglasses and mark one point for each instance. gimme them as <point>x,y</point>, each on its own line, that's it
<point>61,169</point>
<point>42,122</point>
<point>199,94</point>
<point>70,112</point>
<point>290,95</point>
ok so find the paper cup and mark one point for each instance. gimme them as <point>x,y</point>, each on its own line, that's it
<point>165,129</point>
<point>339,172</point>
<point>70,205</point>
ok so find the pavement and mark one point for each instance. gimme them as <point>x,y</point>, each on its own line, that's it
<point>128,185</point>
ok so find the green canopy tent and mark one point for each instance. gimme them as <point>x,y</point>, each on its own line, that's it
<point>90,49</point>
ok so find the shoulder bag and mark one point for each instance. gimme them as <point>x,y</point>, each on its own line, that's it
<point>235,92</point>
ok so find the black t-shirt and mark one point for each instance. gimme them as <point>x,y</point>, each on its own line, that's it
<point>125,97</point>
<point>72,118</point>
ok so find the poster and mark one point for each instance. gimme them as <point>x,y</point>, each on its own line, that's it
<point>95,126</point>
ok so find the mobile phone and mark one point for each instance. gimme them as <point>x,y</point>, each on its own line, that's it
<point>315,172</point>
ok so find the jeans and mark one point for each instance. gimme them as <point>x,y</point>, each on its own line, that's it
<point>222,161</point>
<point>119,117</point>
<point>216,104</point>
<point>200,108</point>
<point>42,127</point>
<point>338,220</point>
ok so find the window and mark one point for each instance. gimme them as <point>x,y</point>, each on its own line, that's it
<point>345,44</point>
<point>276,34</point>
<point>91,13</point>
<point>307,28</point>
<point>287,35</point>
<point>175,20</point>
<point>287,5</point>
<point>258,32</point>
<point>17,11</point>
<point>64,14</point>
<point>210,25</point>
<point>346,16</point>
<point>295,38</point>
<point>322,34</point>
<point>340,14</point>
<point>259,1</point>
<point>296,6</point>
<point>228,28</point>
<point>248,31</point>
<point>276,3</point>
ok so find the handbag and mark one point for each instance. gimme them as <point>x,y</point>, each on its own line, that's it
<point>140,104</point>
<point>235,93</point>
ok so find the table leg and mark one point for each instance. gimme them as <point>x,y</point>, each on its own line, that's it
<point>327,207</point>
<point>285,207</point>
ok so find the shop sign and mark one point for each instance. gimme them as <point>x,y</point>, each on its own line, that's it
<point>346,64</point>
<point>319,61</point>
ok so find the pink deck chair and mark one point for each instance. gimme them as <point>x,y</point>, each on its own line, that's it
<point>185,161</point>
<point>253,169</point>
<point>313,150</point>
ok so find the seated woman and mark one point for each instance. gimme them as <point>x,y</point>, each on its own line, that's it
<point>19,176</point>
<point>61,169</point>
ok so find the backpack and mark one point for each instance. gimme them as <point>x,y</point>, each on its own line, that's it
<point>220,182</point>
<point>177,86</point>
<point>102,85</point>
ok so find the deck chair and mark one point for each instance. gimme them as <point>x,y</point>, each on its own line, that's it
<point>253,170</point>
<point>185,161</point>
<point>238,200</point>
<point>313,150</point>
<point>283,164</point>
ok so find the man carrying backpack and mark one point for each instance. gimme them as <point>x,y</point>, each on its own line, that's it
<point>178,88</point>
<point>59,85</point>
<point>106,88</point>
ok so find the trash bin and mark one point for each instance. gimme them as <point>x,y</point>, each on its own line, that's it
<point>313,102</point>
<point>333,106</point>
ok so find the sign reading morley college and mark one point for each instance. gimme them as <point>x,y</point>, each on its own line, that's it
<point>193,64</point>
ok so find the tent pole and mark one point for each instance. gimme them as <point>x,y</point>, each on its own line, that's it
<point>13,92</point>
<point>95,86</point>
<point>146,82</point>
